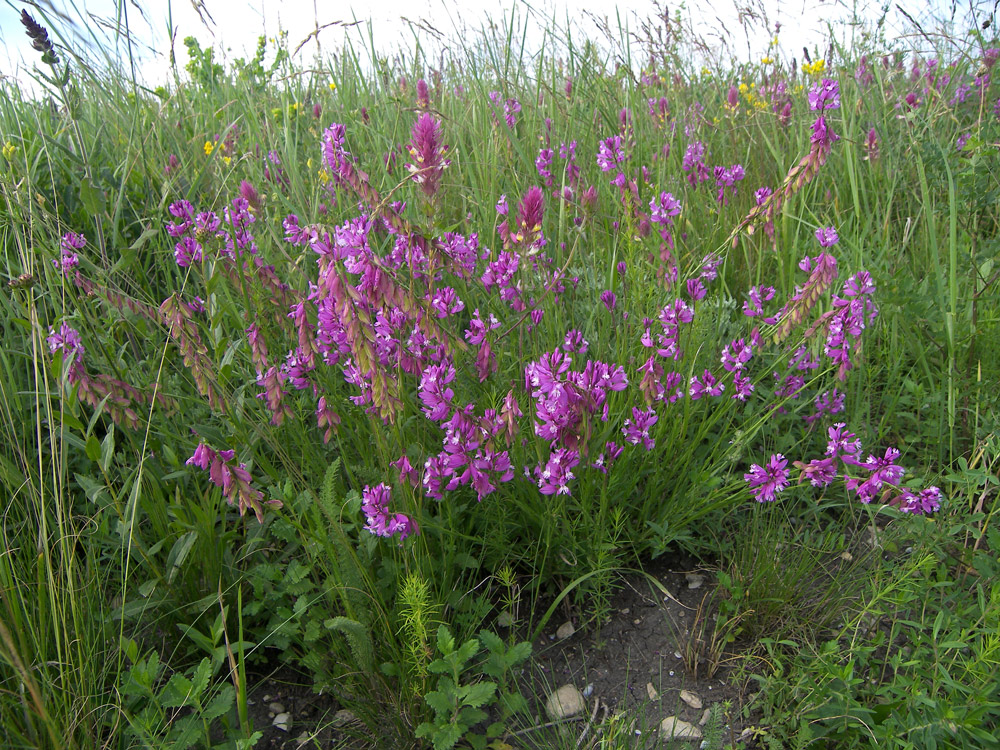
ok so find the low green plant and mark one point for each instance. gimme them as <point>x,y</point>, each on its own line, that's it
<point>461,698</point>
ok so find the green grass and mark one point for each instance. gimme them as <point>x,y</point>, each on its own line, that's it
<point>137,589</point>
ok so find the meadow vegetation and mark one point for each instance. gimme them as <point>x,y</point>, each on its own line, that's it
<point>338,366</point>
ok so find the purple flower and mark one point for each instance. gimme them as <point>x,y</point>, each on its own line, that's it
<point>843,444</point>
<point>68,259</point>
<point>742,387</point>
<point>758,296</point>
<point>767,482</point>
<point>824,95</point>
<point>827,236</point>
<point>574,342</point>
<point>554,479</point>
<point>926,501</point>
<point>637,428</point>
<point>820,471</point>
<point>609,298</point>
<point>543,164</point>
<point>434,393</point>
<point>375,506</point>
<point>735,355</point>
<point>609,154</point>
<point>706,386</point>
<point>428,154</point>
<point>664,209</point>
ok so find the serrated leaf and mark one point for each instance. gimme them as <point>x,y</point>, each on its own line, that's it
<point>221,703</point>
<point>479,694</point>
<point>518,652</point>
<point>491,641</point>
<point>446,642</point>
<point>447,737</point>
<point>469,649</point>
<point>176,692</point>
<point>441,703</point>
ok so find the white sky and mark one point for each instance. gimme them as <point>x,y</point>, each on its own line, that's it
<point>238,23</point>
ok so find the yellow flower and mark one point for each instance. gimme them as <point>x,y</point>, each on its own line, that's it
<point>815,68</point>
<point>706,72</point>
<point>766,61</point>
<point>8,150</point>
<point>309,163</point>
<point>227,159</point>
<point>324,176</point>
<point>209,148</point>
<point>333,86</point>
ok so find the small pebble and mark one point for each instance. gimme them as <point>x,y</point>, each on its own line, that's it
<point>565,630</point>
<point>651,692</point>
<point>691,699</point>
<point>589,690</point>
<point>705,717</point>
<point>671,673</point>
<point>694,580</point>
<point>281,722</point>
<point>677,654</point>
<point>276,708</point>
<point>636,621</point>
<point>626,611</point>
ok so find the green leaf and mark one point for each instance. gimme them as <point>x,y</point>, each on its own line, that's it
<point>93,449</point>
<point>178,553</point>
<point>176,692</point>
<point>91,198</point>
<point>479,694</point>
<point>446,642</point>
<point>441,703</point>
<point>447,737</point>
<point>221,703</point>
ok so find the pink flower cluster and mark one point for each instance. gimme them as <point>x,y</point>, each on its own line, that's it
<point>233,478</point>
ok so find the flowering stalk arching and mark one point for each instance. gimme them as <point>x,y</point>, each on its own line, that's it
<point>233,478</point>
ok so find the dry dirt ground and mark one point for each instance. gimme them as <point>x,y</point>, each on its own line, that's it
<point>655,641</point>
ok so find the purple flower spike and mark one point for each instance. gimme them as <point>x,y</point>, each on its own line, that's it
<point>428,154</point>
<point>766,482</point>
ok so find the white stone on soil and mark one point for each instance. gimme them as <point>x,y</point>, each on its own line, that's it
<point>691,699</point>
<point>281,721</point>
<point>674,728</point>
<point>565,702</point>
<point>565,630</point>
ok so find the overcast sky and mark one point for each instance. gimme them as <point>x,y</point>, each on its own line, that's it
<point>232,26</point>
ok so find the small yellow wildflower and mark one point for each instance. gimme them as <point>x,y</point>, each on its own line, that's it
<point>8,150</point>
<point>333,86</point>
<point>324,176</point>
<point>816,68</point>
<point>209,148</point>
<point>309,163</point>
<point>766,60</point>
<point>706,72</point>
<point>227,159</point>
